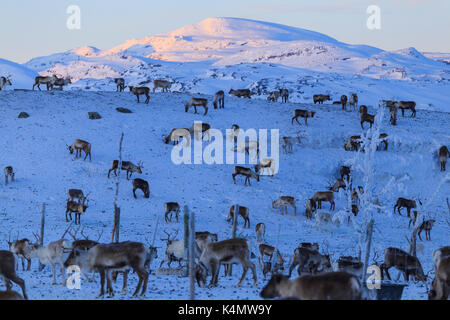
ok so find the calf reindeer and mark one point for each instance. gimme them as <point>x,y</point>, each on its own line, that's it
<point>302,114</point>
<point>228,251</point>
<point>170,207</point>
<point>246,93</point>
<point>443,155</point>
<point>163,84</point>
<point>128,166</point>
<point>76,207</point>
<point>79,145</point>
<point>260,230</point>
<point>219,100</point>
<point>120,84</point>
<point>8,173</point>
<point>243,212</point>
<point>284,202</point>
<point>49,81</point>
<point>197,102</point>
<point>246,172</point>
<point>138,91</point>
<point>142,185</point>
<point>8,272</point>
<point>327,286</point>
<point>324,196</point>
<point>427,226</point>
<point>176,134</point>
<point>403,261</point>
<point>269,251</point>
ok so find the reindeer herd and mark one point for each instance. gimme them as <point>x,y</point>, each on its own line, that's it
<point>319,277</point>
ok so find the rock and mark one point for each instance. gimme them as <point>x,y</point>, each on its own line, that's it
<point>124,110</point>
<point>94,115</point>
<point>23,115</point>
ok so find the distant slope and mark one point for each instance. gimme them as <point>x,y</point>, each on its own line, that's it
<point>21,77</point>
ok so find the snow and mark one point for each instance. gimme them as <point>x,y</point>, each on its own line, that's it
<point>20,75</point>
<point>36,148</point>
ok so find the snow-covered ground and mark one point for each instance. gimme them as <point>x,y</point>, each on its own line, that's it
<point>36,148</point>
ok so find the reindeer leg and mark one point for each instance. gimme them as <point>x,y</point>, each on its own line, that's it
<point>63,275</point>
<point>125,278</point>
<point>54,273</point>
<point>244,272</point>
<point>102,282</point>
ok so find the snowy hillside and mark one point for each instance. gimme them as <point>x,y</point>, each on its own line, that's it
<point>20,76</point>
<point>36,148</point>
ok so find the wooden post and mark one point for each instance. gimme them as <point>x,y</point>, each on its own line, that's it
<point>191,257</point>
<point>186,233</point>
<point>235,215</point>
<point>115,231</point>
<point>369,231</point>
<point>41,266</point>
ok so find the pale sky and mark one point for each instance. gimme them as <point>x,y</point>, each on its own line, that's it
<point>37,28</point>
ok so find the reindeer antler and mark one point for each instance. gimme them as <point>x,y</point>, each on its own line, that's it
<point>38,238</point>
<point>73,235</point>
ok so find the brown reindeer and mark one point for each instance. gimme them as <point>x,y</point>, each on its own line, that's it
<point>8,272</point>
<point>128,166</point>
<point>324,196</point>
<point>268,251</point>
<point>76,207</point>
<point>246,172</point>
<point>22,249</point>
<point>405,203</point>
<point>197,102</point>
<point>243,212</point>
<point>142,185</point>
<point>44,80</point>
<point>10,295</point>
<point>73,194</point>
<point>178,133</point>
<point>309,260</point>
<point>273,96</point>
<point>310,208</point>
<point>260,230</point>
<point>9,172</point>
<point>440,287</point>
<point>427,225</point>
<point>138,91</point>
<point>203,238</point>
<point>363,109</point>
<point>440,254</point>
<point>403,261</point>
<point>344,102</point>
<point>365,117</point>
<point>229,251</point>
<point>393,115</point>
<point>353,102</point>
<point>327,286</point>
<point>79,145</point>
<point>246,93</point>
<point>345,171</point>
<point>320,98</point>
<point>353,144</point>
<point>120,84</point>
<point>219,100</point>
<point>302,114</point>
<point>284,94</point>
<point>170,207</point>
<point>443,155</point>
<point>163,84</point>
<point>404,105</point>
<point>339,184</point>
<point>284,202</point>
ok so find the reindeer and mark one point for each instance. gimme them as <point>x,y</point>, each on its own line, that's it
<point>269,251</point>
<point>49,81</point>
<point>5,81</point>
<point>353,144</point>
<point>303,114</point>
<point>142,185</point>
<point>393,115</point>
<point>443,155</point>
<point>246,172</point>
<point>219,100</point>
<point>266,163</point>
<point>202,128</point>
<point>21,248</point>
<point>203,238</point>
<point>121,256</point>
<point>427,226</point>
<point>163,84</point>
<point>288,142</point>
<point>345,171</point>
<point>260,230</point>
<point>284,94</point>
<point>403,105</point>
<point>8,272</point>
<point>170,207</point>
<point>243,212</point>
<point>235,130</point>
<point>284,202</point>
<point>327,286</point>
<point>176,134</point>
<point>310,208</point>
<point>197,102</point>
<point>120,84</point>
<point>228,251</point>
<point>10,295</point>
<point>73,194</point>
<point>440,287</point>
<point>403,261</point>
<point>60,83</point>
<point>344,102</point>
<point>9,172</point>
<point>365,117</point>
<point>320,98</point>
<point>356,193</point>
<point>246,146</point>
<point>138,91</point>
<point>350,265</point>
<point>79,145</point>
<point>129,166</point>
<point>324,196</point>
<point>273,96</point>
<point>52,255</point>
<point>76,207</point>
<point>339,184</point>
<point>241,93</point>
<point>308,245</point>
<point>363,109</point>
<point>439,254</point>
<point>309,260</point>
<point>353,102</point>
<point>406,203</point>
<point>175,250</point>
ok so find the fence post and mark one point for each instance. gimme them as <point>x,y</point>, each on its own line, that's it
<point>41,266</point>
<point>186,232</point>
<point>191,256</point>
<point>235,215</point>
<point>369,232</point>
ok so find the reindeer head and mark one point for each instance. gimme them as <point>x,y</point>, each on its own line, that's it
<point>201,272</point>
<point>71,148</point>
<point>169,238</point>
<point>271,290</point>
<point>140,166</point>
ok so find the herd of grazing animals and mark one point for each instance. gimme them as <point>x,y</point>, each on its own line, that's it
<point>318,277</point>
